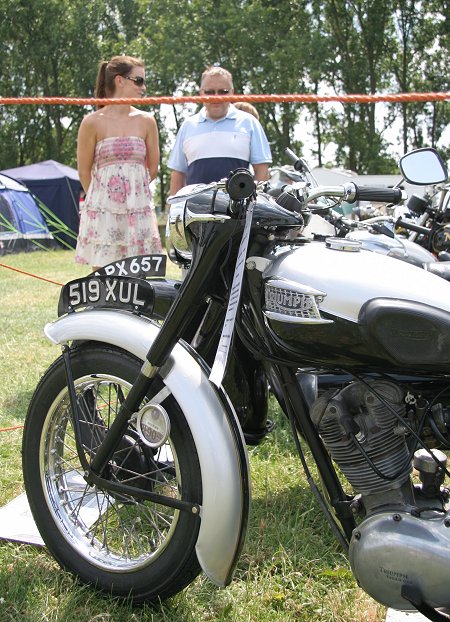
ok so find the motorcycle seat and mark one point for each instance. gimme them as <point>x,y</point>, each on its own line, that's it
<point>441,268</point>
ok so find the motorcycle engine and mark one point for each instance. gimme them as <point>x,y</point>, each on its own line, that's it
<point>401,545</point>
<point>364,438</point>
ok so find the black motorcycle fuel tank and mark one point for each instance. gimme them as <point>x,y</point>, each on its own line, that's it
<point>331,305</point>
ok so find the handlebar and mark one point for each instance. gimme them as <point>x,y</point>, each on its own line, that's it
<point>351,193</point>
<point>374,193</point>
<point>299,164</point>
<point>239,185</point>
<point>406,224</point>
<point>360,193</point>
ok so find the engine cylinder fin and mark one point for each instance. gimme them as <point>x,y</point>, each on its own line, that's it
<point>366,415</point>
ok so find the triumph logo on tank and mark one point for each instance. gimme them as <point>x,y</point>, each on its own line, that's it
<point>288,302</point>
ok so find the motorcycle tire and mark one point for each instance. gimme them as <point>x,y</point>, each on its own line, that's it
<point>124,546</point>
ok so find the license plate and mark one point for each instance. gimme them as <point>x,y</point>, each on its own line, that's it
<point>138,266</point>
<point>108,292</point>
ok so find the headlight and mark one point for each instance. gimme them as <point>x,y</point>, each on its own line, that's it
<point>178,239</point>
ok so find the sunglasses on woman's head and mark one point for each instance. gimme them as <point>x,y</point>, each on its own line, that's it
<point>138,80</point>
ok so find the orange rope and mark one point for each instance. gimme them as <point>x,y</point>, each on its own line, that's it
<point>35,276</point>
<point>305,98</point>
<point>14,427</point>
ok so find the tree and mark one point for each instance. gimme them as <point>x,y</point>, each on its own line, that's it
<point>420,63</point>
<point>52,48</point>
<point>359,30</point>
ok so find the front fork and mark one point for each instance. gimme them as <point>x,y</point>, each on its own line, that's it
<point>182,312</point>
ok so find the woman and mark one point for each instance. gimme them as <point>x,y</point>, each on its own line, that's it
<point>118,156</point>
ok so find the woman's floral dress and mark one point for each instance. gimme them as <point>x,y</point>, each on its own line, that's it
<point>118,218</point>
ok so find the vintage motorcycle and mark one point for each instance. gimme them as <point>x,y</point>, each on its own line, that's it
<point>134,447</point>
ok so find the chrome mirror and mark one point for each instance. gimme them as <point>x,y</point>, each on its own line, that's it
<point>423,167</point>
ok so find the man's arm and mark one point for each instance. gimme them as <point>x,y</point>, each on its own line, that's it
<point>177,181</point>
<point>261,171</point>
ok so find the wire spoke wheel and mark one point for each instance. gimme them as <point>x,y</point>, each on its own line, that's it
<point>120,542</point>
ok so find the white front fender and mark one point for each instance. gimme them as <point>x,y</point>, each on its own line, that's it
<point>213,423</point>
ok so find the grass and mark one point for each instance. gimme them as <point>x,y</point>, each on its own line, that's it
<point>290,568</point>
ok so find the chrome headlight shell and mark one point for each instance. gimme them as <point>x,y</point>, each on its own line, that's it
<point>178,239</point>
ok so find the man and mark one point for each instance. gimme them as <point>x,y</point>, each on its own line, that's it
<point>218,139</point>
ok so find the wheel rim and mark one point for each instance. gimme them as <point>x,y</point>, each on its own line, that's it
<point>114,532</point>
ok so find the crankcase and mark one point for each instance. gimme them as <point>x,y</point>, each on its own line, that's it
<point>395,549</point>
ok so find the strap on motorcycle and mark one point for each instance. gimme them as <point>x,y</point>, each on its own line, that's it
<point>223,349</point>
<point>412,594</point>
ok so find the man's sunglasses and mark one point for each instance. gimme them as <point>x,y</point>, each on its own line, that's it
<point>139,81</point>
<point>218,92</point>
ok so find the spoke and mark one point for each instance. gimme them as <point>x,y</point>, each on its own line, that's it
<point>111,528</point>
<point>100,522</point>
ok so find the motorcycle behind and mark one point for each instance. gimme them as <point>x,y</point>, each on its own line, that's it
<point>160,385</point>
<point>422,242</point>
<point>432,211</point>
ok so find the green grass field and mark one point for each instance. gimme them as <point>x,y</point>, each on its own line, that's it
<point>291,568</point>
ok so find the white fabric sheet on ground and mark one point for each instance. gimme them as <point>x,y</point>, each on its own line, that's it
<point>404,616</point>
<point>17,524</point>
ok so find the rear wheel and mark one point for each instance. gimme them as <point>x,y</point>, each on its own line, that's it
<point>124,545</point>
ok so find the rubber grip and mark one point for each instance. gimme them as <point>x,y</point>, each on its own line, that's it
<point>291,155</point>
<point>410,226</point>
<point>382,195</point>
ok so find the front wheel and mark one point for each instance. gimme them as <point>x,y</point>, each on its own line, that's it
<point>125,546</point>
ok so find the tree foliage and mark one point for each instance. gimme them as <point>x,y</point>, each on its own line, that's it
<point>52,48</point>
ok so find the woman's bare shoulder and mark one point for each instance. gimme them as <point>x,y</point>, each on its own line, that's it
<point>92,119</point>
<point>146,117</point>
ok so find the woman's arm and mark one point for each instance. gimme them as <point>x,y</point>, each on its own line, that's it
<point>87,139</point>
<point>152,143</point>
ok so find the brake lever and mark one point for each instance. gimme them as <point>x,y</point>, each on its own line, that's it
<point>383,229</point>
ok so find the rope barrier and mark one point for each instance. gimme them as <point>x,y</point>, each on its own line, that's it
<point>2,265</point>
<point>305,99</point>
<point>14,427</point>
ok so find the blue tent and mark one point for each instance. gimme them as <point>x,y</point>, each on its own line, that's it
<point>22,226</point>
<point>58,187</point>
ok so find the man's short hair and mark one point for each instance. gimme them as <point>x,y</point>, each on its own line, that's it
<point>216,71</point>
